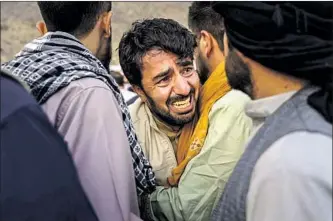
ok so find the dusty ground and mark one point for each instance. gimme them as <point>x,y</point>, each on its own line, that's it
<point>18,21</point>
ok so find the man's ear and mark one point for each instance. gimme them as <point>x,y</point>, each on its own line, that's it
<point>140,92</point>
<point>106,23</point>
<point>41,27</point>
<point>206,43</point>
<point>225,44</point>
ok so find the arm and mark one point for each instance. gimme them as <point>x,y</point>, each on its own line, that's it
<point>94,130</point>
<point>292,180</point>
<point>205,176</point>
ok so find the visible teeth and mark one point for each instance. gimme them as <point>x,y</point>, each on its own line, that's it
<point>182,104</point>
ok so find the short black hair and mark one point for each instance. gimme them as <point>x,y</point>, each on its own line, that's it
<point>201,16</point>
<point>119,78</point>
<point>76,18</point>
<point>145,35</point>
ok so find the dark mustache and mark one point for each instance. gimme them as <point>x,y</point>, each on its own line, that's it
<point>180,97</point>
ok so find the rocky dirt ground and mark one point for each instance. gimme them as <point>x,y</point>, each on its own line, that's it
<point>18,21</point>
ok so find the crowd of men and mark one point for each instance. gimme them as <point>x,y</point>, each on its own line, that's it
<point>229,120</point>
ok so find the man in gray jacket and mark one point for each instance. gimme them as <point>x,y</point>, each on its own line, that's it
<point>281,54</point>
<point>67,71</point>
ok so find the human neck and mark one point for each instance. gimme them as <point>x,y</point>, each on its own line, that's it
<point>269,83</point>
<point>166,127</point>
<point>90,42</point>
<point>215,61</point>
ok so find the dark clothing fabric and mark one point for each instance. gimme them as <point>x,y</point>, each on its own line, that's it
<point>294,115</point>
<point>52,62</point>
<point>295,38</point>
<point>38,180</point>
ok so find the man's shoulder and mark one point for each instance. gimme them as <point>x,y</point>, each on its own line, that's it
<point>13,96</point>
<point>234,99</point>
<point>303,154</point>
<point>77,87</point>
<point>85,92</point>
<point>296,168</point>
<point>88,83</point>
<point>233,102</point>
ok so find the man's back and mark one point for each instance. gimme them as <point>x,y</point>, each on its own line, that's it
<point>99,132</point>
<point>86,107</point>
<point>38,178</point>
<point>303,161</point>
<point>301,149</point>
<point>295,155</point>
<point>81,112</point>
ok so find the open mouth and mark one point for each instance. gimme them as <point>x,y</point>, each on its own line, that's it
<point>183,106</point>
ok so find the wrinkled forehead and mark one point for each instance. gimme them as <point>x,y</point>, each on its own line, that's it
<point>159,55</point>
<point>157,61</point>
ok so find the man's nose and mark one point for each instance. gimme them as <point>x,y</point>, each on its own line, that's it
<point>181,86</point>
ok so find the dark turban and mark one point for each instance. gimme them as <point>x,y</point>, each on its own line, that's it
<point>295,38</point>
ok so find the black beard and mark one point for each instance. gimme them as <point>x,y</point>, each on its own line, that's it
<point>202,69</point>
<point>166,116</point>
<point>238,73</point>
<point>104,53</point>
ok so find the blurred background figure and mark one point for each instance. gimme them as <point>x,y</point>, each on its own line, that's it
<point>128,95</point>
<point>117,68</point>
<point>19,28</point>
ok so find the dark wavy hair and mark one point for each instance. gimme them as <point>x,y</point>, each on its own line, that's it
<point>76,18</point>
<point>145,35</point>
<point>201,16</point>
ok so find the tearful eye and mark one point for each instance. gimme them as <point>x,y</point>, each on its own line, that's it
<point>188,71</point>
<point>164,81</point>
